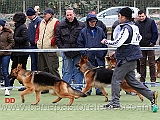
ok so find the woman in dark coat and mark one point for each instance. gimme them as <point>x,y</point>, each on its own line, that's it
<point>21,42</point>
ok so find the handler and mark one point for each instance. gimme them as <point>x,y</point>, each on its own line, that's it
<point>126,38</point>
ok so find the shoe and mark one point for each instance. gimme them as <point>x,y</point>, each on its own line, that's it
<point>155,98</point>
<point>21,89</point>
<point>138,76</point>
<point>7,92</point>
<point>2,82</point>
<point>100,93</point>
<point>109,107</point>
<point>45,91</point>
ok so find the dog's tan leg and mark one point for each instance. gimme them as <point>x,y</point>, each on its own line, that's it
<point>67,95</point>
<point>38,94</point>
<point>105,94</point>
<point>26,91</point>
<point>57,100</point>
<point>139,95</point>
<point>71,97</point>
<point>88,87</point>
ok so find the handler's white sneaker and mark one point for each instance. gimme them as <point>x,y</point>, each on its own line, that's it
<point>7,92</point>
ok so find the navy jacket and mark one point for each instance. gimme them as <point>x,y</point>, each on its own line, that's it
<point>87,39</point>
<point>32,30</point>
<point>149,32</point>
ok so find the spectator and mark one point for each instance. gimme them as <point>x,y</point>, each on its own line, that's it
<point>99,23</point>
<point>37,9</point>
<point>33,25</point>
<point>128,51</point>
<point>113,27</point>
<point>45,39</point>
<point>66,37</point>
<point>7,42</point>
<point>90,37</point>
<point>21,42</point>
<point>149,32</point>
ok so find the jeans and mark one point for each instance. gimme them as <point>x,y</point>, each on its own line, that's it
<point>69,70</point>
<point>34,59</point>
<point>96,62</point>
<point>4,62</point>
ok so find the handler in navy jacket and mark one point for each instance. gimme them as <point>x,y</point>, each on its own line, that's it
<point>90,37</point>
<point>126,38</point>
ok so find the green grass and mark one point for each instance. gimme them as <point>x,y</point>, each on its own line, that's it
<point>89,108</point>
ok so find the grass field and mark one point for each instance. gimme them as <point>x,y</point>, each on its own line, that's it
<point>89,108</point>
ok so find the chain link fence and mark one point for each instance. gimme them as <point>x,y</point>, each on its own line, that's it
<point>82,7</point>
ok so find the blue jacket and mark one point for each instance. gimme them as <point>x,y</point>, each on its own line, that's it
<point>33,25</point>
<point>89,39</point>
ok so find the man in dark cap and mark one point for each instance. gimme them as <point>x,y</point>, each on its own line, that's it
<point>126,38</point>
<point>45,39</point>
<point>32,27</point>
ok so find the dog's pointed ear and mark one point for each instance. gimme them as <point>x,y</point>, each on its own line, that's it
<point>85,57</point>
<point>19,66</point>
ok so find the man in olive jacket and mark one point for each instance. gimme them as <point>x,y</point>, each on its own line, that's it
<point>66,37</point>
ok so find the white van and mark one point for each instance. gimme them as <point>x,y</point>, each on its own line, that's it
<point>110,15</point>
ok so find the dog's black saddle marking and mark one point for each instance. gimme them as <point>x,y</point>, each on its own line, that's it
<point>103,75</point>
<point>45,79</point>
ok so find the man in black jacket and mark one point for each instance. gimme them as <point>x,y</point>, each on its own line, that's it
<point>149,32</point>
<point>66,37</point>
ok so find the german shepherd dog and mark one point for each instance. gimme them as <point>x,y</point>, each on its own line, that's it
<point>99,77</point>
<point>40,80</point>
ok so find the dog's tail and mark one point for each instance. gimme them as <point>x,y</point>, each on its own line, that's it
<point>76,92</point>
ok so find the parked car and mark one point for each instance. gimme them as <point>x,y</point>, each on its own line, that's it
<point>110,15</point>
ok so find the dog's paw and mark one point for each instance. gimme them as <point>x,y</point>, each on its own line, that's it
<point>106,100</point>
<point>54,102</point>
<point>142,100</point>
<point>35,103</point>
<point>23,100</point>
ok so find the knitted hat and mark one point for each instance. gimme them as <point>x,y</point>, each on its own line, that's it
<point>2,22</point>
<point>127,12</point>
<point>30,11</point>
<point>49,11</point>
